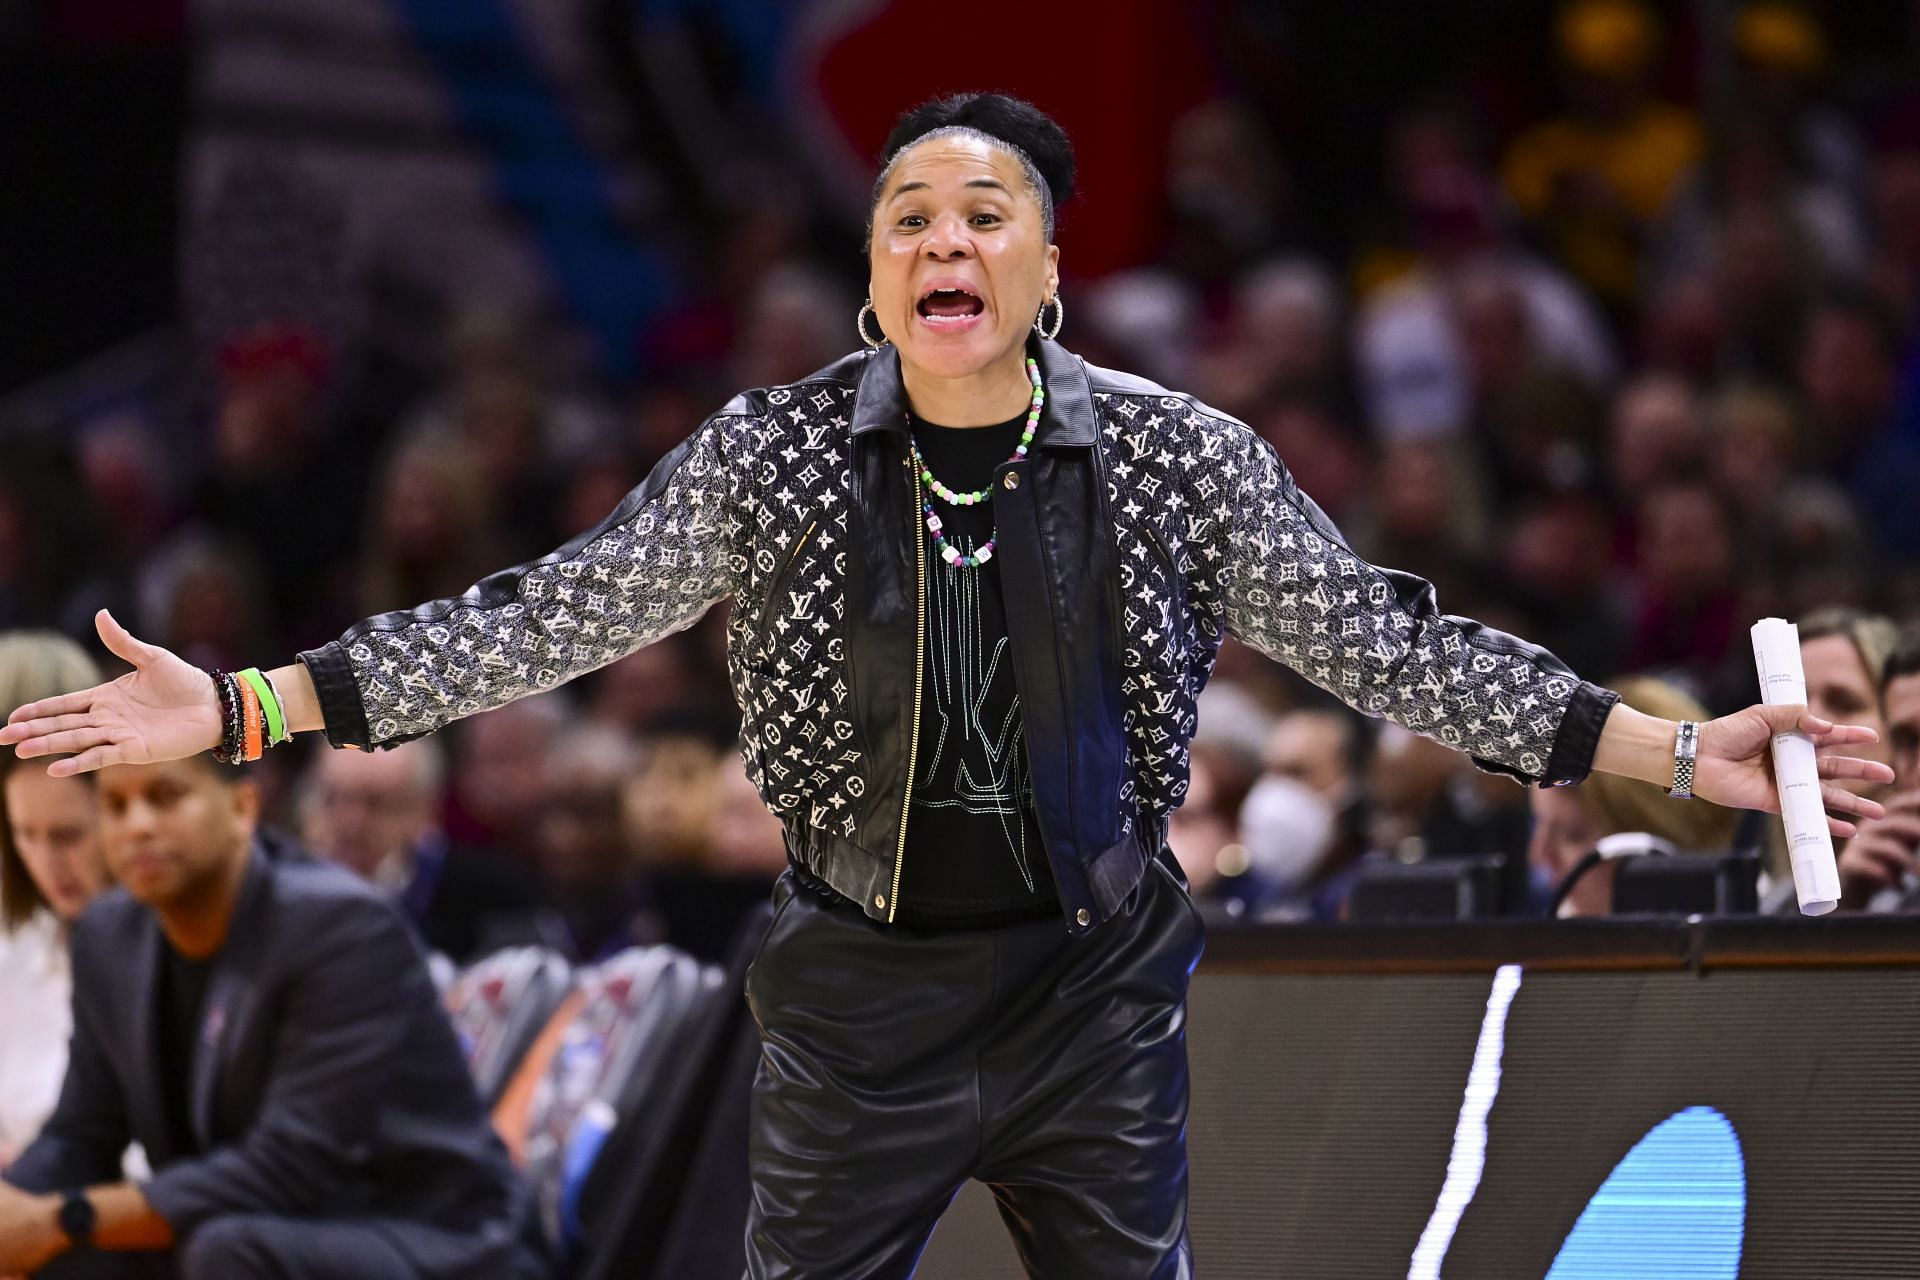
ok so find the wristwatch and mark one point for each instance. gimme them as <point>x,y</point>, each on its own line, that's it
<point>76,1218</point>
<point>1686,749</point>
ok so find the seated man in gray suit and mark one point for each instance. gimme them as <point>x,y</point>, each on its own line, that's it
<point>263,1024</point>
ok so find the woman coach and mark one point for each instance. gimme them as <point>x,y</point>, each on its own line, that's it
<point>976,586</point>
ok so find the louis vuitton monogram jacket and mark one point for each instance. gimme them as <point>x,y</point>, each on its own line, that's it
<point>1141,529</point>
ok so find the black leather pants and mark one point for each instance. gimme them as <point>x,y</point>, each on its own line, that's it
<point>899,1064</point>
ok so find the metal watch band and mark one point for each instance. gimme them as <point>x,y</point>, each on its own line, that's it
<point>1686,749</point>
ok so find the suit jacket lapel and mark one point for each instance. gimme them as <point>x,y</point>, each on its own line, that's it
<point>230,989</point>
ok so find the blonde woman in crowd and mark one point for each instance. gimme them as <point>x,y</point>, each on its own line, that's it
<point>1844,653</point>
<point>1570,821</point>
<point>50,868</point>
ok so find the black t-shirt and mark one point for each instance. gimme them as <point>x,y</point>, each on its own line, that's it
<point>973,854</point>
<point>183,996</point>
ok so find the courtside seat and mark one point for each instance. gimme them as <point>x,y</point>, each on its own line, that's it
<point>704,1236</point>
<point>668,1196</point>
<point>498,1006</point>
<point>628,1019</point>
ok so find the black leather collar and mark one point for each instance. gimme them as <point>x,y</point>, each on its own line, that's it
<point>1066,420</point>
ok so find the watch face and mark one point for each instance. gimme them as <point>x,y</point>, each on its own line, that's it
<point>76,1217</point>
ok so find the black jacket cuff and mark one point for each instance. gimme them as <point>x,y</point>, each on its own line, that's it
<point>339,692</point>
<point>1579,736</point>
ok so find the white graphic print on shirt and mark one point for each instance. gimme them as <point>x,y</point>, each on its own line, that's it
<point>978,763</point>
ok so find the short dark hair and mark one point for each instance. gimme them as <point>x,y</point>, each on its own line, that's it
<point>1357,732</point>
<point>1033,136</point>
<point>1905,658</point>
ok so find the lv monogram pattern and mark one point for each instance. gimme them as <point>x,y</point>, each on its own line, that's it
<point>1222,540</point>
<point>786,645</point>
<point>1171,607</point>
<point>651,569</point>
<point>1211,537</point>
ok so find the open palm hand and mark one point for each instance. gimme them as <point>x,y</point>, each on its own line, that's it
<point>1735,765</point>
<point>164,709</point>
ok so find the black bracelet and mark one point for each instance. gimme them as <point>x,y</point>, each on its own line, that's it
<point>237,744</point>
<point>233,738</point>
<point>226,716</point>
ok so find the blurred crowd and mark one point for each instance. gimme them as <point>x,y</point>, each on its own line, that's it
<point>1620,376</point>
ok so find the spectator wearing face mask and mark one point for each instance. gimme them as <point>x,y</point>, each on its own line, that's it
<point>1287,830</point>
<point>1303,825</point>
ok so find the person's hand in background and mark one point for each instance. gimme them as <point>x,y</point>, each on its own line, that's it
<point>1883,853</point>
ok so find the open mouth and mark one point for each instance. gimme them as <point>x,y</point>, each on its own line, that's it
<point>950,305</point>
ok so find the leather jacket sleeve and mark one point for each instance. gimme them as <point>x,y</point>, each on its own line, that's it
<point>651,568</point>
<point>1376,639</point>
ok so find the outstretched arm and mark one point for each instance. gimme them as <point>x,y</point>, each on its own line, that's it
<point>1377,639</point>
<point>651,568</point>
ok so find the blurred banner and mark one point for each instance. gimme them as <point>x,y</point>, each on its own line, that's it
<point>361,165</point>
<point>417,154</point>
<point>1116,84</point>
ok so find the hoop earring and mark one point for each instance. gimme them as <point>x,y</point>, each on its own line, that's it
<point>1059,317</point>
<point>860,323</point>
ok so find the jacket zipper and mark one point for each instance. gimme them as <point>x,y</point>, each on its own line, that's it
<point>779,579</point>
<point>919,673</point>
<point>1174,579</point>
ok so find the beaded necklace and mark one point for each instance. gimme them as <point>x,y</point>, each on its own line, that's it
<point>984,552</point>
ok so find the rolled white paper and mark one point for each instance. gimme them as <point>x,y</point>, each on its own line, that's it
<point>1776,654</point>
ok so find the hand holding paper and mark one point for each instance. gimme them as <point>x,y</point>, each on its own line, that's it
<point>1776,656</point>
<point>1736,764</point>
